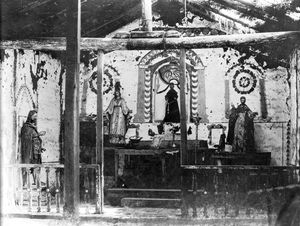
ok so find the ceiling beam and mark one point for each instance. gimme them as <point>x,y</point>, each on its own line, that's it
<point>109,44</point>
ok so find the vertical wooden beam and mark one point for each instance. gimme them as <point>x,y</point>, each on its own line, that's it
<point>71,145</point>
<point>99,130</point>
<point>183,131</point>
<point>263,102</point>
<point>147,15</point>
<point>297,66</point>
<point>15,124</point>
<point>227,97</point>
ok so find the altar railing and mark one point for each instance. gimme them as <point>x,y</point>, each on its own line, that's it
<point>45,192</point>
<point>237,191</point>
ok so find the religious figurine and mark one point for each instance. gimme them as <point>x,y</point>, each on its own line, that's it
<point>241,128</point>
<point>31,145</point>
<point>117,112</point>
<point>172,109</point>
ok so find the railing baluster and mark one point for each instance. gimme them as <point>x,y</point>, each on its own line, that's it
<point>57,190</point>
<point>23,176</point>
<point>226,190</point>
<point>39,190</point>
<point>237,192</point>
<point>245,191</point>
<point>268,198</point>
<point>48,190</point>
<point>205,203</point>
<point>205,192</point>
<point>86,189</point>
<point>98,189</point>
<point>29,190</point>
<point>194,186</point>
<point>216,191</point>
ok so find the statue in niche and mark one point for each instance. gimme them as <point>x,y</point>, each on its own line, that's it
<point>172,109</point>
<point>241,128</point>
<point>118,113</point>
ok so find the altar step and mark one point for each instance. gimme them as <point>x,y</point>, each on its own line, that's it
<point>150,202</point>
<point>136,197</point>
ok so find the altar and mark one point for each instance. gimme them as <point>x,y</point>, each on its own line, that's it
<point>121,153</point>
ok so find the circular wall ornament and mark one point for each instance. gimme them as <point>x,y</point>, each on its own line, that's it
<point>244,81</point>
<point>108,79</point>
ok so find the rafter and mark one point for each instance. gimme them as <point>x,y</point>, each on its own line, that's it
<point>128,17</point>
<point>201,12</point>
<point>218,12</point>
<point>253,12</point>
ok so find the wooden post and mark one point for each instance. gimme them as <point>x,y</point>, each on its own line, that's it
<point>183,131</point>
<point>99,131</point>
<point>71,145</point>
<point>147,15</point>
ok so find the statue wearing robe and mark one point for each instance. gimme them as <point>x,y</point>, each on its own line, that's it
<point>117,111</point>
<point>172,108</point>
<point>31,143</point>
<point>241,129</point>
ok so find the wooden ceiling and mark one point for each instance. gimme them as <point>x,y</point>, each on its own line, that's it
<point>47,18</point>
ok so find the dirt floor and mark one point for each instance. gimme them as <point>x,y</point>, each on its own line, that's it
<point>128,216</point>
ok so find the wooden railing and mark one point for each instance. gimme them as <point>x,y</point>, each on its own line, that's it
<point>234,190</point>
<point>46,188</point>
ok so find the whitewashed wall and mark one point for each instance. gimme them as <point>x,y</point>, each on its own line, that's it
<point>18,96</point>
<point>15,71</point>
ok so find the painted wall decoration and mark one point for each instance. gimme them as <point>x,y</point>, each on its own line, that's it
<point>110,74</point>
<point>137,72</point>
<point>244,77</point>
<point>39,73</point>
<point>244,82</point>
<point>160,68</point>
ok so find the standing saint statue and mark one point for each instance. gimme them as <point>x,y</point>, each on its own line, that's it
<point>172,109</point>
<point>241,128</point>
<point>117,112</point>
<point>31,145</point>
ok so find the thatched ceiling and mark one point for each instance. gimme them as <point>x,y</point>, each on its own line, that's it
<point>47,18</point>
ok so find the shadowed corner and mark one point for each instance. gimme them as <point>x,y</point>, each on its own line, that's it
<point>289,214</point>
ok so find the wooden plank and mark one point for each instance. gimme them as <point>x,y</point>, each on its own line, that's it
<point>71,136</point>
<point>183,118</point>
<point>99,130</point>
<point>109,44</point>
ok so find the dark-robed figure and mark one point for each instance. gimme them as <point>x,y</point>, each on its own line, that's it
<point>241,128</point>
<point>172,109</point>
<point>31,144</point>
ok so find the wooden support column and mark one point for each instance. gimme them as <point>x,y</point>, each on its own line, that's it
<point>183,118</point>
<point>147,15</point>
<point>263,101</point>
<point>99,131</point>
<point>71,145</point>
<point>227,98</point>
